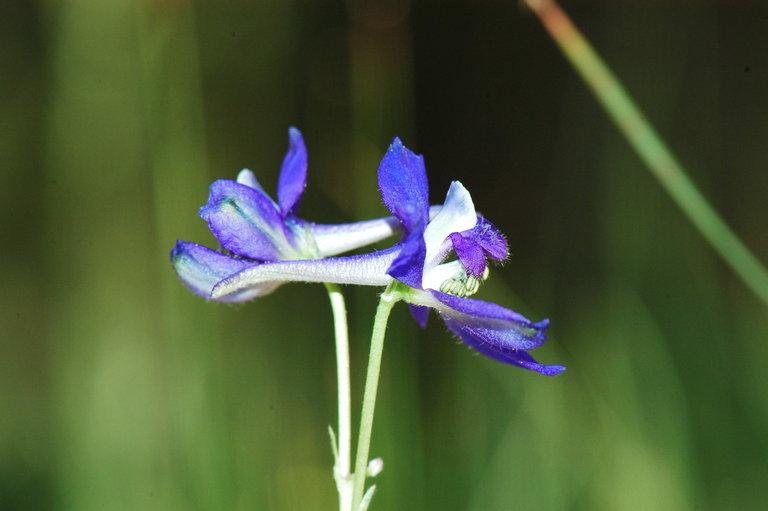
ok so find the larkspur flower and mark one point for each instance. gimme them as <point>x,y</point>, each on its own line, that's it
<point>419,263</point>
<point>253,229</point>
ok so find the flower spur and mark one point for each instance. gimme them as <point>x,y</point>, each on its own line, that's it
<point>417,263</point>
<point>252,229</point>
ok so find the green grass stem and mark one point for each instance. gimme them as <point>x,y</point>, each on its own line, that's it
<point>649,146</point>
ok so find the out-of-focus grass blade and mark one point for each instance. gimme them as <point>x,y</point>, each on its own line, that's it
<point>652,150</point>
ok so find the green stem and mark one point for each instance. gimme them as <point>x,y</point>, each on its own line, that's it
<point>388,300</point>
<point>649,146</point>
<point>344,453</point>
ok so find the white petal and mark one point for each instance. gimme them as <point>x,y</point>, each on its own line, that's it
<point>458,214</point>
<point>434,210</point>
<point>248,178</point>
<point>436,275</point>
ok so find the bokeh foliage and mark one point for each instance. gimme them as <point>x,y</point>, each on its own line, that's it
<point>121,390</point>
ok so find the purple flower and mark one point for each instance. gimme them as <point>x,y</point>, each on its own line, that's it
<point>253,229</point>
<point>421,262</point>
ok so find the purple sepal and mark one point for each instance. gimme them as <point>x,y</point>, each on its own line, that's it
<point>200,268</point>
<point>514,357</point>
<point>480,308</point>
<point>420,314</point>
<point>491,323</point>
<point>403,186</point>
<point>244,220</point>
<point>408,267</point>
<point>293,174</point>
<point>469,253</point>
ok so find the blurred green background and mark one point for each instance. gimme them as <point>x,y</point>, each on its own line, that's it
<point>121,390</point>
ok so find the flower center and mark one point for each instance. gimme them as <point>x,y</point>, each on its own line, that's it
<point>462,283</point>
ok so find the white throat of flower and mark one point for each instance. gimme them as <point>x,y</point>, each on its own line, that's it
<point>458,214</point>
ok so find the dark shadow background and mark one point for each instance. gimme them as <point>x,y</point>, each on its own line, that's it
<point>119,389</point>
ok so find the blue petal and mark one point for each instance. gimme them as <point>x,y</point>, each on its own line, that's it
<point>200,268</point>
<point>517,358</point>
<point>469,253</point>
<point>403,185</point>
<point>490,323</point>
<point>408,267</point>
<point>404,189</point>
<point>293,174</point>
<point>489,238</point>
<point>474,245</point>
<point>246,222</point>
<point>420,314</point>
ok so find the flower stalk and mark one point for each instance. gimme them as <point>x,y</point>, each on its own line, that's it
<point>388,299</point>
<point>343,443</point>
